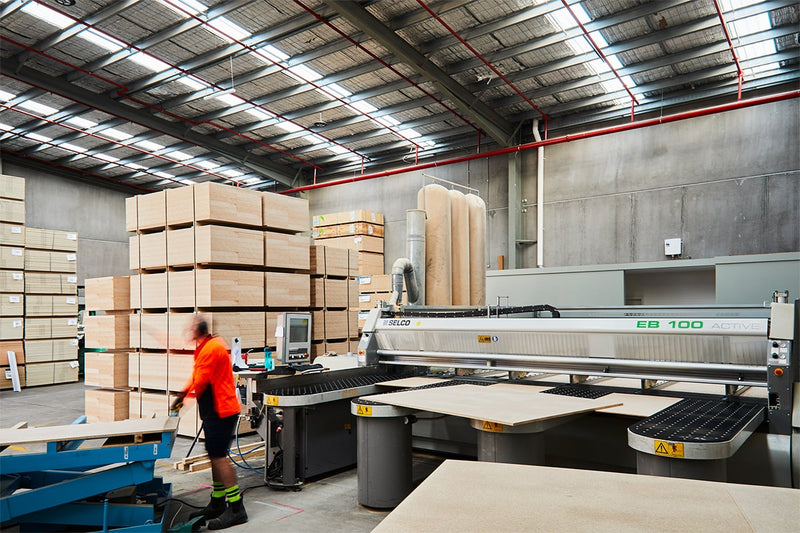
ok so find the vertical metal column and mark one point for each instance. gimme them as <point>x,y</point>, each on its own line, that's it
<point>514,207</point>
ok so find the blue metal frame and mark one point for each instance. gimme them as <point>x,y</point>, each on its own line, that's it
<point>58,481</point>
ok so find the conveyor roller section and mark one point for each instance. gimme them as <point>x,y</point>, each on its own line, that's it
<point>578,391</point>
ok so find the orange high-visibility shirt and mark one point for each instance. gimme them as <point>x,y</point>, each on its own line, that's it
<point>213,369</point>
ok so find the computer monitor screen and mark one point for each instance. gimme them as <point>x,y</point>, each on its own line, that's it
<point>298,330</point>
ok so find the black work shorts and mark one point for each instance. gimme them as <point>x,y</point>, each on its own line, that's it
<point>219,434</point>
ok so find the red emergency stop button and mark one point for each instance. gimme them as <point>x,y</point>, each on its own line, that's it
<point>778,371</point>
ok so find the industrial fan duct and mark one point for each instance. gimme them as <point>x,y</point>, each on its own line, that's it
<point>435,201</point>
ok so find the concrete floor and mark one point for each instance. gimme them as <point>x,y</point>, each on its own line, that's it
<point>323,505</point>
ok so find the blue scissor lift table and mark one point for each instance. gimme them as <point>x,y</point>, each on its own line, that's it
<point>98,476</point>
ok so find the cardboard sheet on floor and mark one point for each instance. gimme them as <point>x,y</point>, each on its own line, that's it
<point>511,406</point>
<point>476,496</point>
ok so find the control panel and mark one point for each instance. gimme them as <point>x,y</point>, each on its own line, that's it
<point>293,338</point>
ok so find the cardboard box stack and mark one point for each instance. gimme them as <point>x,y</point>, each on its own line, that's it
<point>12,277</point>
<point>107,342</point>
<point>358,230</point>
<point>334,300</point>
<point>51,306</point>
<point>232,254</point>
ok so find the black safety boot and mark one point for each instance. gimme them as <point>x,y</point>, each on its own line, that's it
<point>214,509</point>
<point>234,515</point>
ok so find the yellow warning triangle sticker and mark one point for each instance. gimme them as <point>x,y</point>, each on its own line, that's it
<point>661,449</point>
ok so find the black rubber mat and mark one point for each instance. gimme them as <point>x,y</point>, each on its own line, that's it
<point>330,386</point>
<point>693,420</point>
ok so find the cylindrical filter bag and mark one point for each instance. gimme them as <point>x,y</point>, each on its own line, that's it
<point>477,250</point>
<point>459,236</point>
<point>435,201</point>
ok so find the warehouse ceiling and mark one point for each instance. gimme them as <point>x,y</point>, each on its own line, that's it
<point>271,94</point>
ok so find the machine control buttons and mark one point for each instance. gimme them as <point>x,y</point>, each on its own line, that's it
<point>778,372</point>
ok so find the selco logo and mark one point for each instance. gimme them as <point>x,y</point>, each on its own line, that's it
<point>397,322</point>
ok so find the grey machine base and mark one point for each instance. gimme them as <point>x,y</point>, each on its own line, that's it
<point>708,470</point>
<point>384,461</point>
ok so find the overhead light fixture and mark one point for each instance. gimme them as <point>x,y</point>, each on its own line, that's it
<point>66,2</point>
<point>320,123</point>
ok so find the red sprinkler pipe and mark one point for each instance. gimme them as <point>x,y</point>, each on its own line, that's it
<point>739,71</point>
<point>282,67</point>
<point>601,54</point>
<point>384,63</point>
<point>479,56</point>
<point>740,104</point>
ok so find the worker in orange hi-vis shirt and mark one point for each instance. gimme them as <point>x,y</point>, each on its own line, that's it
<point>213,384</point>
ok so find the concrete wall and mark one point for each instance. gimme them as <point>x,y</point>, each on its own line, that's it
<point>96,213</point>
<point>727,184</point>
<point>393,195</point>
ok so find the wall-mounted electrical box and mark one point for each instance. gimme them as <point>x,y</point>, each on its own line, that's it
<point>672,247</point>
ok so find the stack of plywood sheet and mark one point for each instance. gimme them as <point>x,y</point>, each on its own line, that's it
<point>358,230</point>
<point>107,340</point>
<point>334,300</point>
<point>373,290</point>
<point>12,277</point>
<point>234,255</point>
<point>51,306</point>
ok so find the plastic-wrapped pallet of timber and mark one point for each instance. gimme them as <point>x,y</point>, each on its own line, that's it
<point>477,250</point>
<point>459,250</point>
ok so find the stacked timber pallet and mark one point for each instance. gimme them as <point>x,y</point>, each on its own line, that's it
<point>51,306</point>
<point>107,342</point>
<point>358,230</point>
<point>232,254</point>
<point>334,300</point>
<point>12,278</point>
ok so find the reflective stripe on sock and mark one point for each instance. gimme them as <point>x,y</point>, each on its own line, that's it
<point>232,494</point>
<point>219,490</point>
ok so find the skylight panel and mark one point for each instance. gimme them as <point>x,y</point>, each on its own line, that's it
<point>228,30</point>
<point>387,121</point>
<point>291,127</point>
<point>272,54</point>
<point>232,173</point>
<point>116,134</point>
<point>598,66</point>
<point>134,166</point>
<point>149,145</point>
<point>149,62</point>
<point>612,85</point>
<point>363,106</point>
<point>180,156</point>
<point>765,68</point>
<point>313,138</point>
<point>187,182</point>
<point>750,25</point>
<point>579,44</point>
<point>230,99</point>
<point>182,7</point>
<point>410,133</point>
<point>45,14</point>
<point>304,73</point>
<point>44,110</point>
<point>37,137</point>
<point>5,127</point>
<point>163,175</point>
<point>208,165</point>
<point>336,149</point>
<point>751,51</point>
<point>192,83</point>
<point>260,113</point>
<point>614,61</point>
<point>251,180</point>
<point>730,5</point>
<point>103,41</point>
<point>598,39</point>
<point>338,90</point>
<point>81,122</point>
<point>104,157</point>
<point>5,96</point>
<point>72,147</point>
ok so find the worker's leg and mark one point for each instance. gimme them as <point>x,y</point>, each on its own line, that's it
<point>222,471</point>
